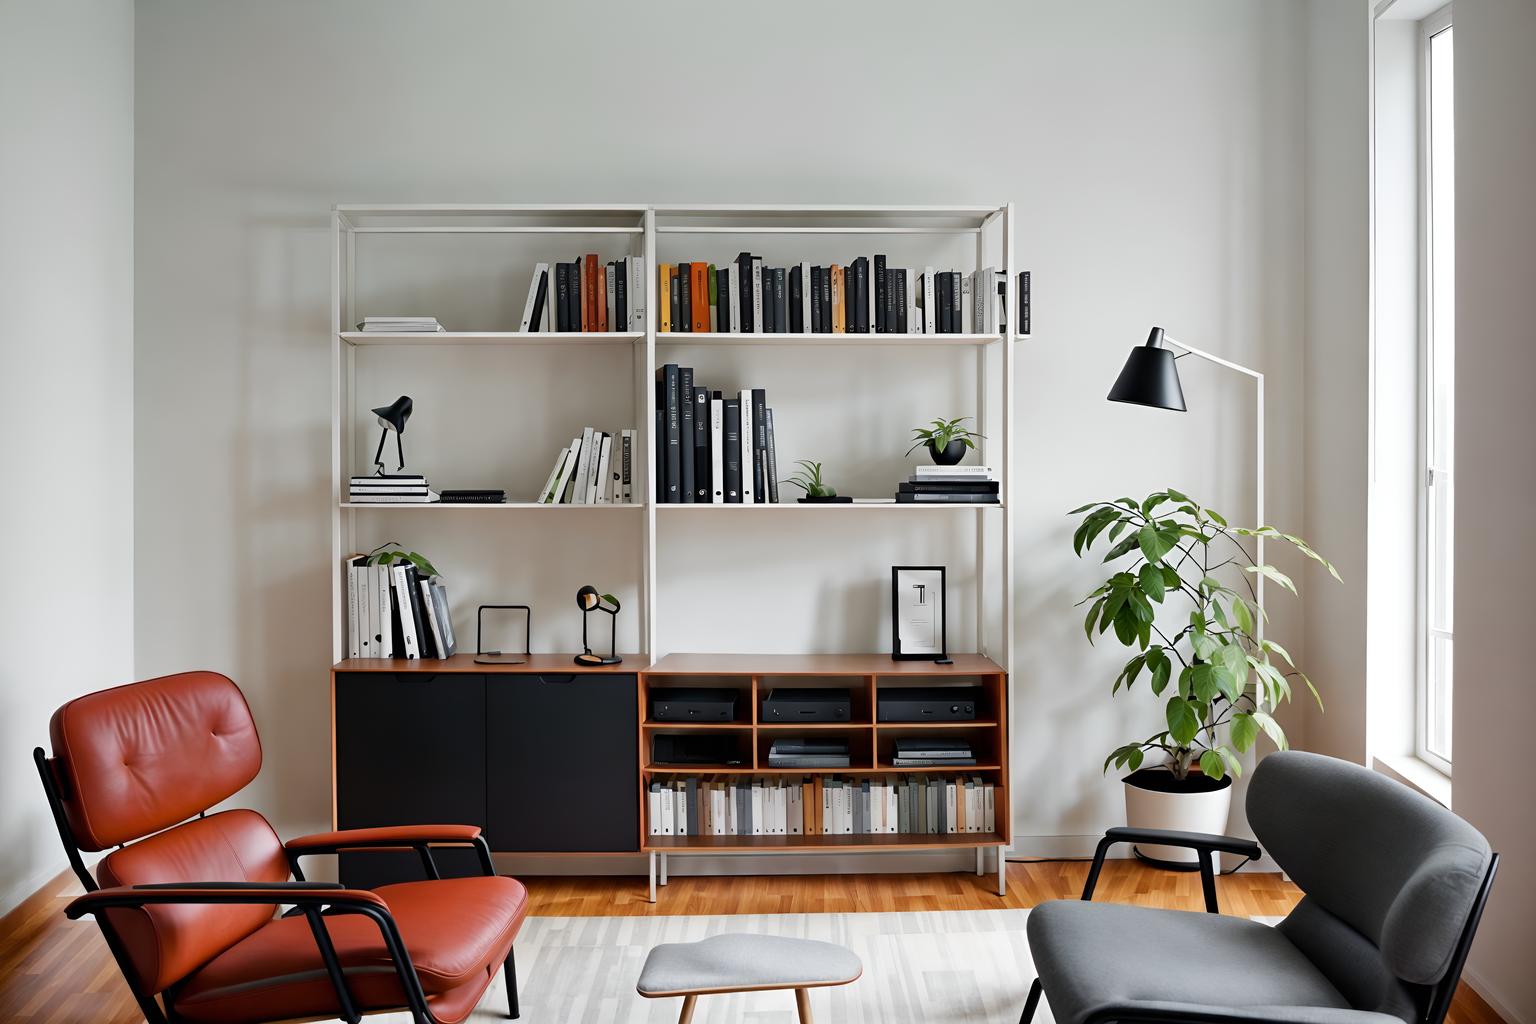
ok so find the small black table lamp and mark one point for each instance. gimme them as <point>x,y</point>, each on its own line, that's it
<point>392,417</point>
<point>589,600</point>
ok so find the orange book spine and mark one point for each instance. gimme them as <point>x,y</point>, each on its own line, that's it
<point>589,293</point>
<point>602,297</point>
<point>839,306</point>
<point>699,287</point>
<point>664,295</point>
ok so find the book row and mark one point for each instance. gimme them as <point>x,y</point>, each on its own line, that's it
<point>597,468</point>
<point>711,805</point>
<point>587,295</point>
<point>713,447</point>
<point>864,297</point>
<point>393,611</point>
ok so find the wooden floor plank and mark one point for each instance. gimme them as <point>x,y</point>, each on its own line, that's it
<point>54,971</point>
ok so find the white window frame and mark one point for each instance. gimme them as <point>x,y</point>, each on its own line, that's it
<point>1429,27</point>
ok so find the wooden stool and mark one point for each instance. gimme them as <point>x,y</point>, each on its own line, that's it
<point>745,963</point>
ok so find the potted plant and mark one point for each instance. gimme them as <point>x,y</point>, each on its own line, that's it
<point>808,479</point>
<point>946,440</point>
<point>1213,668</point>
<point>389,553</point>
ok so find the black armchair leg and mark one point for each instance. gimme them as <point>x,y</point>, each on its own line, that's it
<point>1031,1004</point>
<point>509,969</point>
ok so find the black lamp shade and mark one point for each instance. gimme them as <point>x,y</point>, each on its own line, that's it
<point>1150,377</point>
<point>587,599</point>
<point>395,414</point>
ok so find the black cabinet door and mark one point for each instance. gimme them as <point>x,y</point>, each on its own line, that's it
<point>410,750</point>
<point>562,765</point>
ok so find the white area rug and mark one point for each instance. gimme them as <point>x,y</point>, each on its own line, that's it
<point>941,967</point>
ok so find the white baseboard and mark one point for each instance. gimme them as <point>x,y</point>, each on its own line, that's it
<point>1489,996</point>
<point>17,894</point>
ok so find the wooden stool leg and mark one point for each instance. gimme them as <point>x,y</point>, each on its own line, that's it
<point>803,1004</point>
<point>687,1015</point>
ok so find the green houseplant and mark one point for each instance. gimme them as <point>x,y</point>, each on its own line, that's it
<point>389,553</point>
<point>946,440</point>
<point>1183,599</point>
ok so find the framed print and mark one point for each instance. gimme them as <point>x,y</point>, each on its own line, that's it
<point>917,613</point>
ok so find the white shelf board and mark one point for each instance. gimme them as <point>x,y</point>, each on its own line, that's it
<point>425,338</point>
<point>871,339</point>
<point>507,506</point>
<point>831,506</point>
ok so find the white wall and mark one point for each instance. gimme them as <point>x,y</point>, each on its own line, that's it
<point>1495,704</point>
<point>1156,153</point>
<point>66,289</point>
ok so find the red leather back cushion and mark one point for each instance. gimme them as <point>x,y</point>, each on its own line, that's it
<point>166,943</point>
<point>139,758</point>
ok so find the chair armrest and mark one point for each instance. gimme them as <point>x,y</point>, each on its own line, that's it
<point>1202,843</point>
<point>395,836</point>
<point>303,894</point>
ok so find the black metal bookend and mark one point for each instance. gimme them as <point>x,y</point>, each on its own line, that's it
<point>484,657</point>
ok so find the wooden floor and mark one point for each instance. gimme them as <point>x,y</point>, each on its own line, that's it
<point>53,971</point>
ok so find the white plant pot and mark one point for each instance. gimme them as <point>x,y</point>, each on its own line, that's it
<point>1153,801</point>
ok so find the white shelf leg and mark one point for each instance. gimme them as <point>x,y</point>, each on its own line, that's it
<point>653,876</point>
<point>663,869</point>
<point>1002,871</point>
<point>981,864</point>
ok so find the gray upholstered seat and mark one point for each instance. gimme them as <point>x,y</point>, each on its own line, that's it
<point>1393,882</point>
<point>733,963</point>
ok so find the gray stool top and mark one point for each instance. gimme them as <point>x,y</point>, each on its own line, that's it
<point>736,963</point>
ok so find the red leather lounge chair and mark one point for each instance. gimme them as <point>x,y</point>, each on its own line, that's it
<point>188,900</point>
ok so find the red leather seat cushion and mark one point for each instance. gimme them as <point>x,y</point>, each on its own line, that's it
<point>457,930</point>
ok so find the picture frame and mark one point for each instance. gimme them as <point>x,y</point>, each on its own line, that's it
<point>919,626</point>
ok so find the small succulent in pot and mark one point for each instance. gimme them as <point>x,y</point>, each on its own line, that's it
<point>808,479</point>
<point>946,440</point>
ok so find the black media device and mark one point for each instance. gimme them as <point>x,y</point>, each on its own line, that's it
<point>937,704</point>
<point>806,705</point>
<point>693,704</point>
<point>695,750</point>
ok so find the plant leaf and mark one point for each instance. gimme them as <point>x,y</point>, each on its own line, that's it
<point>1128,544</point>
<point>1212,765</point>
<point>1183,721</point>
<point>1155,543</point>
<point>1270,572</point>
<point>1271,729</point>
<point>1244,730</point>
<point>1152,582</point>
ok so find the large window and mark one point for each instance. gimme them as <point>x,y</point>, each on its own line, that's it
<point>1438,319</point>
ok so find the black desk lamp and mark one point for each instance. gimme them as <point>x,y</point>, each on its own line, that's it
<point>589,600</point>
<point>392,417</point>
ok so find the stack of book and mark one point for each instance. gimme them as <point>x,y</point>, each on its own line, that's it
<point>932,752</point>
<point>713,447</point>
<point>395,612</point>
<point>399,489</point>
<point>804,752</point>
<point>864,297</point>
<point>587,295</point>
<point>597,468</point>
<point>400,325</point>
<point>965,485</point>
<point>738,805</point>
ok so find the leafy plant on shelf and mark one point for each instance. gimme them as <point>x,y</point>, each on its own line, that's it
<point>1216,670</point>
<point>940,434</point>
<point>808,479</point>
<point>393,554</point>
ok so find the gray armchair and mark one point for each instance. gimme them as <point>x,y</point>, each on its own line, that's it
<point>1394,887</point>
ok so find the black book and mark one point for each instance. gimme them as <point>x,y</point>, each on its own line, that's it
<point>620,296</point>
<point>948,486</point>
<point>562,296</point>
<point>760,445</point>
<point>685,435</point>
<point>744,291</point>
<point>673,427</point>
<point>955,319</point>
<point>941,299</point>
<point>881,325</point>
<point>722,301</point>
<point>772,460</point>
<point>731,429</point>
<point>659,433</point>
<point>860,293</point>
<point>1023,302</point>
<point>826,300</point>
<point>573,276</point>
<point>945,497</point>
<point>796,301</point>
<point>770,309</point>
<point>684,296</point>
<point>899,283</point>
<point>780,300</point>
<point>540,297</point>
<point>423,637</point>
<point>702,472</point>
<point>814,327</point>
<point>888,316</point>
<point>679,320</point>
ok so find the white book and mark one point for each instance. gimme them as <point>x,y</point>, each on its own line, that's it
<point>930,313</point>
<point>554,474</point>
<point>978,809</point>
<point>949,808</point>
<point>653,808</point>
<point>668,811</point>
<point>781,807</point>
<point>354,630</point>
<point>757,808</point>
<point>910,276</point>
<point>717,450</point>
<point>796,809</point>
<point>757,295</point>
<point>382,600</point>
<point>429,612</point>
<point>585,455</point>
<point>805,298</point>
<point>732,811</point>
<point>748,456</point>
<point>733,281</point>
<point>602,488</point>
<point>989,814</point>
<point>967,312</point>
<point>402,596</point>
<point>680,807</point>
<point>367,613</point>
<point>612,297</point>
<point>952,472</point>
<point>567,473</point>
<point>539,270</point>
<point>594,467</point>
<point>892,809</point>
<point>846,792</point>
